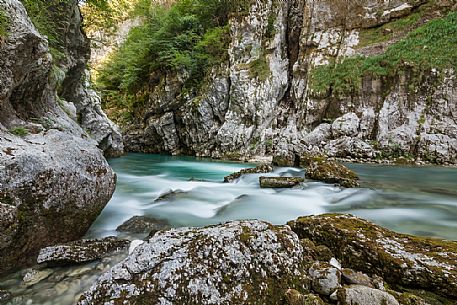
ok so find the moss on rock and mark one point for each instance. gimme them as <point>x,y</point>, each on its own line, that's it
<point>402,260</point>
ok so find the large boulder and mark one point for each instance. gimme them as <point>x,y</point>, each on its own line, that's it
<point>54,180</point>
<point>240,262</point>
<point>400,259</point>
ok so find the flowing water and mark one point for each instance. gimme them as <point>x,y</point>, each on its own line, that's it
<point>187,191</point>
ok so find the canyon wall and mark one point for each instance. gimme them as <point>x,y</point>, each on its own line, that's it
<point>262,101</point>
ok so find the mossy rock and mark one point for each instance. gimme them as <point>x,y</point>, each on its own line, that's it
<point>402,260</point>
<point>331,172</point>
<point>260,169</point>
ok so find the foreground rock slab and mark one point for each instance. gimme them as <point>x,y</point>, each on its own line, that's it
<point>241,262</point>
<point>80,251</point>
<point>400,259</point>
<point>260,169</point>
<point>280,182</point>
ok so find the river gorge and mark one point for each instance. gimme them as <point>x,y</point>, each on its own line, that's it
<point>189,192</point>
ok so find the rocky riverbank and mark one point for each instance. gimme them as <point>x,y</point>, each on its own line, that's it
<point>324,259</point>
<point>54,179</point>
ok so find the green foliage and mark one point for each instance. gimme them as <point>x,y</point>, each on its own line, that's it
<point>3,23</point>
<point>429,46</point>
<point>42,13</point>
<point>188,36</point>
<point>271,30</point>
<point>19,131</point>
<point>106,15</point>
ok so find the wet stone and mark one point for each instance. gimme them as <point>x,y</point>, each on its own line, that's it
<point>80,251</point>
<point>143,224</point>
<point>260,169</point>
<point>280,182</point>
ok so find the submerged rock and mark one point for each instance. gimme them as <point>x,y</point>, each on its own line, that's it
<point>169,195</point>
<point>400,259</point>
<point>280,182</point>
<point>260,169</point>
<point>34,276</point>
<point>80,251</point>
<point>5,296</point>
<point>240,262</point>
<point>143,224</point>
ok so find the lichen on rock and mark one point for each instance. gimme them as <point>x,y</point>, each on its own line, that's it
<point>240,262</point>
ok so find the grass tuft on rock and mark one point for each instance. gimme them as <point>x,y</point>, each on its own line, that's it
<point>4,20</point>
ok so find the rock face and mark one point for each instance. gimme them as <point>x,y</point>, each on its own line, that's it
<point>54,180</point>
<point>241,262</point>
<point>280,182</point>
<point>400,259</point>
<point>239,113</point>
<point>80,251</point>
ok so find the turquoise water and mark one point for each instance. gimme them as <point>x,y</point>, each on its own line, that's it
<point>415,200</point>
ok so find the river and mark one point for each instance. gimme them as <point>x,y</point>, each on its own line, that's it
<point>414,200</point>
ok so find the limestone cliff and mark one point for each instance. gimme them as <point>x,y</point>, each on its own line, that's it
<point>263,100</point>
<point>54,180</point>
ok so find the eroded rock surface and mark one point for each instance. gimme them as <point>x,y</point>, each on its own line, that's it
<point>400,259</point>
<point>80,251</point>
<point>241,262</point>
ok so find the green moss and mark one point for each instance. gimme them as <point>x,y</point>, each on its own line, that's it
<point>429,46</point>
<point>271,30</point>
<point>246,235</point>
<point>19,131</point>
<point>259,68</point>
<point>4,20</point>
